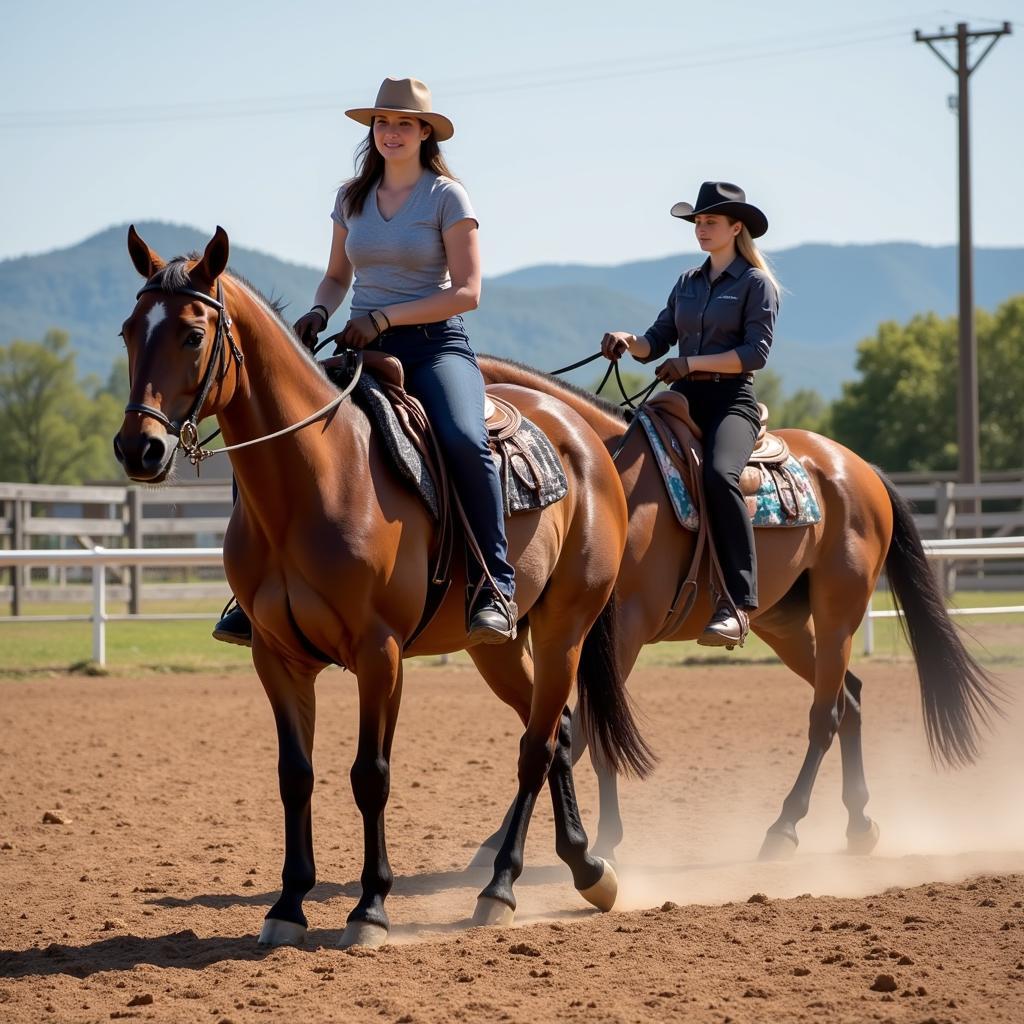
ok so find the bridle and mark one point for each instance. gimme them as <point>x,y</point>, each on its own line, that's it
<point>187,430</point>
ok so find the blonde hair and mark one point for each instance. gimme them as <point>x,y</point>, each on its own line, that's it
<point>748,249</point>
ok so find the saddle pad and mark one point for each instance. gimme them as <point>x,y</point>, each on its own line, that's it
<point>531,472</point>
<point>766,506</point>
<point>406,458</point>
<point>528,466</point>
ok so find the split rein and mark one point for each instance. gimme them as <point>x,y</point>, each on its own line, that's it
<point>613,365</point>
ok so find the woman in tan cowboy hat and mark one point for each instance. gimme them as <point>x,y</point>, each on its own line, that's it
<point>722,314</point>
<point>405,239</point>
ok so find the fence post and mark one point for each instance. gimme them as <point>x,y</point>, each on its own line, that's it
<point>945,520</point>
<point>99,611</point>
<point>135,541</point>
<point>18,544</point>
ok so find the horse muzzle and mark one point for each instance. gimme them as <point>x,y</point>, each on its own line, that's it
<point>144,457</point>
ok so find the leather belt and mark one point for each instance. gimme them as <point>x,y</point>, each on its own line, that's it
<point>705,375</point>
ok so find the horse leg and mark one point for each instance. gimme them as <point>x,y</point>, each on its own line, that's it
<point>508,671</point>
<point>832,638</point>
<point>592,875</point>
<point>609,821</point>
<point>379,672</point>
<point>861,832</point>
<point>790,633</point>
<point>291,692</point>
<point>511,680</point>
<point>555,669</point>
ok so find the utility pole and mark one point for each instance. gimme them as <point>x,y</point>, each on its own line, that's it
<point>967,390</point>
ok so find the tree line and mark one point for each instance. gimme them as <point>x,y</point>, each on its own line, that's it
<point>900,411</point>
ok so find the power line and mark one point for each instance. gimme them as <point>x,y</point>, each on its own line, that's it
<point>581,73</point>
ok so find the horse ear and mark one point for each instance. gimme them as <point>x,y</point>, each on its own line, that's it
<point>215,258</point>
<point>147,263</point>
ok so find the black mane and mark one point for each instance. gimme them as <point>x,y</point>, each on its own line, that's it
<point>173,275</point>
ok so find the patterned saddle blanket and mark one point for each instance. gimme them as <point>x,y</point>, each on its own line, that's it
<point>775,485</point>
<point>531,473</point>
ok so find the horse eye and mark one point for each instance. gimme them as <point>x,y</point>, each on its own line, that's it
<point>194,339</point>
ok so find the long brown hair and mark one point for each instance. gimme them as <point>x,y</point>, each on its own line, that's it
<point>370,169</point>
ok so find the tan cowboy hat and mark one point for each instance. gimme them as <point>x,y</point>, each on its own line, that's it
<point>405,96</point>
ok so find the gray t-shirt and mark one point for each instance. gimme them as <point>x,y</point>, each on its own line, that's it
<point>402,259</point>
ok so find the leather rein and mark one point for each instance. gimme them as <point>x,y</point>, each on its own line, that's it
<point>187,430</point>
<point>613,365</point>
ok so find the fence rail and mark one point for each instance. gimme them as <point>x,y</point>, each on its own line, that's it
<point>131,517</point>
<point>99,559</point>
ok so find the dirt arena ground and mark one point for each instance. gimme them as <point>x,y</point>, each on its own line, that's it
<point>146,902</point>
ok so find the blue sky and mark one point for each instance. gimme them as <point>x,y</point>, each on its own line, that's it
<point>578,124</point>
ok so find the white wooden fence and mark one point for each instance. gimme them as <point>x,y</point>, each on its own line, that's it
<point>34,516</point>
<point>196,514</point>
<point>99,559</point>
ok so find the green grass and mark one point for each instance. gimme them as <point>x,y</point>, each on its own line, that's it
<point>144,647</point>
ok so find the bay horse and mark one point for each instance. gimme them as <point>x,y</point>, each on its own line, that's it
<point>328,552</point>
<point>815,585</point>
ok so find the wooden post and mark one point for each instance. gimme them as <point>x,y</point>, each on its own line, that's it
<point>18,544</point>
<point>945,520</point>
<point>99,611</point>
<point>135,541</point>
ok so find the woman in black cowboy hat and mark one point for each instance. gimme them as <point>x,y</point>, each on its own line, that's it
<point>722,314</point>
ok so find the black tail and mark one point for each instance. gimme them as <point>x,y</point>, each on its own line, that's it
<point>604,704</point>
<point>957,694</point>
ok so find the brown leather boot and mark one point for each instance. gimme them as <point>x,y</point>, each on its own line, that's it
<point>728,628</point>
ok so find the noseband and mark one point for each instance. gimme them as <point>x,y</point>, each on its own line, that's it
<point>187,430</point>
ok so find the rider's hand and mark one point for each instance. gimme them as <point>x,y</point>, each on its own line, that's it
<point>359,332</point>
<point>308,326</point>
<point>615,343</point>
<point>672,369</point>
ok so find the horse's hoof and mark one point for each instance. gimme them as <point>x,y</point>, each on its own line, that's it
<point>603,892</point>
<point>483,858</point>
<point>276,932</point>
<point>363,933</point>
<point>492,913</point>
<point>777,846</point>
<point>862,843</point>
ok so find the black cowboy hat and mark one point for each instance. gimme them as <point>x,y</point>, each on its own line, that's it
<point>726,198</point>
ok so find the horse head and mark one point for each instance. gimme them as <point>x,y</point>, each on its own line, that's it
<point>179,344</point>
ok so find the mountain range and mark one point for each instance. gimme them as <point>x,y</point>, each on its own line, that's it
<point>546,315</point>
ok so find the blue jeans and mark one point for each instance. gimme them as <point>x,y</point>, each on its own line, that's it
<point>442,372</point>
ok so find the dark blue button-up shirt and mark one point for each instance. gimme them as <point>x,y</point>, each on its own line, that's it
<point>735,312</point>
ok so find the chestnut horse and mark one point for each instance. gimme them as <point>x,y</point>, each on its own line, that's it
<point>328,552</point>
<point>815,584</point>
